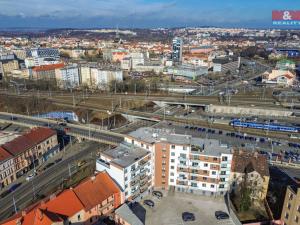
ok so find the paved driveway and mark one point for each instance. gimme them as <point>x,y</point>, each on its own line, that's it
<point>169,209</point>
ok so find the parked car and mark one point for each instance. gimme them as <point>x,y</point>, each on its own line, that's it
<point>220,215</point>
<point>157,194</point>
<point>149,203</point>
<point>187,216</point>
<point>30,176</point>
<point>14,187</point>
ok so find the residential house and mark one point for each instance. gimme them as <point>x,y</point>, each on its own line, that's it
<point>32,148</point>
<point>252,168</point>
<point>7,168</point>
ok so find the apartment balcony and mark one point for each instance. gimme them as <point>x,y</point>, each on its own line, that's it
<point>134,183</point>
<point>183,166</point>
<point>134,170</point>
<point>142,162</point>
<point>183,183</point>
<point>182,170</point>
<point>135,191</point>
<point>136,177</point>
<point>182,159</point>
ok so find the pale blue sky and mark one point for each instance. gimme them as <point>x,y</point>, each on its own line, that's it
<point>140,13</point>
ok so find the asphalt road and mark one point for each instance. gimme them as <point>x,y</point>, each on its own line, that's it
<point>46,180</point>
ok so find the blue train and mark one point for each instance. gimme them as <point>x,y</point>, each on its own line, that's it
<point>264,126</point>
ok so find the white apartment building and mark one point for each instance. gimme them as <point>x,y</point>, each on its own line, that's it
<point>102,77</point>
<point>185,163</point>
<point>68,77</point>
<point>130,167</point>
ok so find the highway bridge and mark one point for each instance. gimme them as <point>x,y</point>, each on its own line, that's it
<point>80,131</point>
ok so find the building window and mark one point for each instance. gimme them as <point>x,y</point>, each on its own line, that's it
<point>194,184</point>
<point>142,145</point>
<point>203,185</point>
<point>126,193</point>
<point>183,156</point>
<point>291,197</point>
<point>204,178</point>
<point>172,160</point>
<point>298,208</point>
<point>215,159</point>
<point>213,172</point>
<point>184,148</point>
<point>172,146</point>
<point>172,153</point>
<point>172,174</point>
<point>223,172</point>
<point>132,142</point>
<point>126,186</point>
<point>296,219</point>
<point>221,186</point>
<point>205,165</point>
<point>224,158</point>
<point>171,180</point>
<point>172,167</point>
<point>286,215</point>
<point>212,186</point>
<point>78,217</point>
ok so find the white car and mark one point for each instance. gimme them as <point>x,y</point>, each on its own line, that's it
<point>30,176</point>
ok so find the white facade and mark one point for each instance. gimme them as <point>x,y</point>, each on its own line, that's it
<point>101,78</point>
<point>134,176</point>
<point>70,76</point>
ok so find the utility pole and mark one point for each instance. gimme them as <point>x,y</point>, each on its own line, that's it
<point>14,203</point>
<point>69,168</point>
<point>135,88</point>
<point>73,100</point>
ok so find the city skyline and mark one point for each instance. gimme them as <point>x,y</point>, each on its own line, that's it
<point>140,13</point>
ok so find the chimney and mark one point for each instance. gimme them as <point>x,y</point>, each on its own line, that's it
<point>93,178</point>
<point>23,213</point>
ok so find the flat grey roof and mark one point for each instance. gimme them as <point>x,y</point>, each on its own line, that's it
<point>125,154</point>
<point>126,213</point>
<point>151,135</point>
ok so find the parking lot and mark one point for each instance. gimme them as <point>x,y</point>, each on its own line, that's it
<point>169,209</point>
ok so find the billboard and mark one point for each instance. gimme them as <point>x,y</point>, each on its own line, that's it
<point>286,17</point>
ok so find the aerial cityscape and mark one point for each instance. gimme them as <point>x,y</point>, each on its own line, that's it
<point>147,112</point>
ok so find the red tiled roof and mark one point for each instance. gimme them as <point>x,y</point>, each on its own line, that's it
<point>4,154</point>
<point>95,190</point>
<point>66,203</point>
<point>243,161</point>
<point>48,67</point>
<point>28,140</point>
